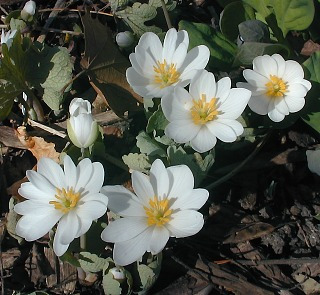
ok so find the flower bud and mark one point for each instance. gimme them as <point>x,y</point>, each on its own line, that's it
<point>82,128</point>
<point>118,274</point>
<point>124,39</point>
<point>28,10</point>
<point>7,38</point>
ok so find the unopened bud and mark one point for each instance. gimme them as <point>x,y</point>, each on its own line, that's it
<point>124,39</point>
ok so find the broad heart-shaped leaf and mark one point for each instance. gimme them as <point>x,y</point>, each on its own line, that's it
<point>137,15</point>
<point>91,262</point>
<point>222,50</point>
<point>49,70</point>
<point>138,162</point>
<point>290,14</point>
<point>148,145</point>
<point>254,31</point>
<point>157,121</point>
<point>7,94</point>
<point>249,50</point>
<point>232,15</point>
<point>312,108</point>
<point>106,66</point>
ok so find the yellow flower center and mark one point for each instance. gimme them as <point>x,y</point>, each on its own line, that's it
<point>276,87</point>
<point>203,111</point>
<point>165,74</point>
<point>66,200</point>
<point>158,212</point>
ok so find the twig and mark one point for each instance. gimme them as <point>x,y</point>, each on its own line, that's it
<point>74,10</point>
<point>166,14</point>
<point>53,14</point>
<point>242,164</point>
<point>52,30</point>
<point>46,128</point>
<point>289,261</point>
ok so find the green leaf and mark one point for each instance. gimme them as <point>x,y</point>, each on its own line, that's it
<point>157,121</point>
<point>138,162</point>
<point>254,31</point>
<point>149,146</point>
<point>290,14</point>
<point>136,16</point>
<point>91,262</point>
<point>232,15</point>
<point>17,24</point>
<point>249,50</point>
<point>222,50</point>
<point>110,285</point>
<point>147,278</point>
<point>7,95</point>
<point>312,107</point>
<point>11,221</point>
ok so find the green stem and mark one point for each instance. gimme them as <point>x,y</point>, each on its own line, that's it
<point>166,14</point>
<point>35,104</point>
<point>116,162</point>
<point>242,164</point>
<point>83,242</point>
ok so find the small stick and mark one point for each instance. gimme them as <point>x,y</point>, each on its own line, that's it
<point>166,14</point>
<point>46,128</point>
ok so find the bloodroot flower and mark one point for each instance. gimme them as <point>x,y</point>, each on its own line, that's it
<point>157,68</point>
<point>70,197</point>
<point>207,112</point>
<point>277,86</point>
<point>165,205</point>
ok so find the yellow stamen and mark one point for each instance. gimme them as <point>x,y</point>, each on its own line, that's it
<point>67,200</point>
<point>276,87</point>
<point>158,213</point>
<point>203,111</point>
<point>165,74</point>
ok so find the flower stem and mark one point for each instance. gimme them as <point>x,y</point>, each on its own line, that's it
<point>83,242</point>
<point>166,14</point>
<point>243,163</point>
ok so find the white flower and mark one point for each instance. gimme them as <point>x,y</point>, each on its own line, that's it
<point>165,205</point>
<point>82,128</point>
<point>313,159</point>
<point>277,86</point>
<point>124,39</point>
<point>156,69</point>
<point>207,112</point>
<point>29,8</point>
<point>70,197</point>
<point>7,38</point>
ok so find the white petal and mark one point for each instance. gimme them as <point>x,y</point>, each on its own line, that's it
<point>91,210</point>
<point>185,223</point>
<point>293,71</point>
<point>85,225</point>
<point>82,127</point>
<point>169,45</point>
<point>159,179</point>
<point>203,141</point>
<point>135,78</point>
<point>179,55</point>
<point>297,90</point>
<point>281,106</point>
<point>193,200</point>
<point>204,83</point>
<point>259,104</point>
<point>84,173</point>
<point>96,180</point>
<point>41,183</point>
<point>99,197</point>
<point>122,201</point>
<point>124,229</point>
<point>255,90</point>
<point>29,191</point>
<point>295,104</point>
<point>234,104</point>
<point>68,227</point>
<point>196,59</point>
<point>265,65</point>
<point>51,171</point>
<point>274,114</point>
<point>255,78</point>
<point>70,172</point>
<point>142,187</point>
<point>223,131</point>
<point>223,89</point>
<point>132,250</point>
<point>150,42</point>
<point>58,247</point>
<point>34,207</point>
<point>181,181</point>
<point>32,227</point>
<point>159,239</point>
<point>313,159</point>
<point>281,64</point>
<point>182,131</point>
